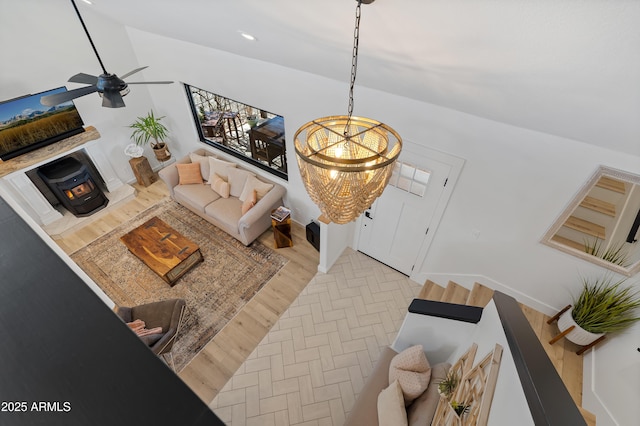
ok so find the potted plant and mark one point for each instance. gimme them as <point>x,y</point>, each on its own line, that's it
<point>149,129</point>
<point>448,385</point>
<point>460,408</point>
<point>603,306</point>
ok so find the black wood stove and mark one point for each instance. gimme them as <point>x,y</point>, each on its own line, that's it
<point>72,183</point>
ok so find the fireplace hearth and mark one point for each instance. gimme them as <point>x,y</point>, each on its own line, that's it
<point>72,184</point>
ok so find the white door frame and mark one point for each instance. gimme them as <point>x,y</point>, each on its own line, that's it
<point>412,152</point>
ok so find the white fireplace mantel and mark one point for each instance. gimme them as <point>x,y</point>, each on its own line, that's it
<point>16,183</point>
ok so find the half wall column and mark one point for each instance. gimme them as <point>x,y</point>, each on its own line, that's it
<point>103,165</point>
<point>27,195</point>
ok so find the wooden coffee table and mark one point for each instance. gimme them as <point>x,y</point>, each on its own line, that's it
<point>163,249</point>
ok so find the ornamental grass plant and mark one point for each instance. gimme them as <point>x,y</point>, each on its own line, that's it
<point>605,305</point>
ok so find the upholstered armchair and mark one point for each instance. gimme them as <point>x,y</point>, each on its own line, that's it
<point>167,314</point>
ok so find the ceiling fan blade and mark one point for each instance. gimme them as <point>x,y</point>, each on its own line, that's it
<point>111,99</point>
<point>150,82</point>
<point>84,78</point>
<point>60,98</point>
<point>132,72</point>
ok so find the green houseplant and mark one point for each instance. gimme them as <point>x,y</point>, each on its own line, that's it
<point>448,385</point>
<point>602,306</point>
<point>150,130</point>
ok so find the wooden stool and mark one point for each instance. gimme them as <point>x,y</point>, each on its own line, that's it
<point>142,171</point>
<point>568,330</point>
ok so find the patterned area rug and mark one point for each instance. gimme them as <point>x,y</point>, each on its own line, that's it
<point>215,290</point>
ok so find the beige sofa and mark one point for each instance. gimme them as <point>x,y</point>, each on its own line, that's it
<point>420,412</point>
<point>225,213</point>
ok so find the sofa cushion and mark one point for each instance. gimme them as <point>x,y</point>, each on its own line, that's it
<point>218,184</point>
<point>391,406</point>
<point>249,202</point>
<point>203,160</point>
<point>422,410</point>
<point>220,167</point>
<point>363,412</point>
<point>412,370</point>
<point>253,183</point>
<point>227,211</point>
<point>189,174</point>
<point>198,196</point>
<point>237,179</point>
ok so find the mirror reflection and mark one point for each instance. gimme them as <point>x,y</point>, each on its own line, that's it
<point>249,133</point>
<point>601,223</point>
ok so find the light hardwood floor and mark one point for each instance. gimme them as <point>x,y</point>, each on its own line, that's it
<point>210,370</point>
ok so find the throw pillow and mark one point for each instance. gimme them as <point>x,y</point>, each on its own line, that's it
<point>391,406</point>
<point>412,371</point>
<point>203,160</point>
<point>219,185</point>
<point>220,168</point>
<point>237,179</point>
<point>255,184</point>
<point>189,173</point>
<point>249,202</point>
<point>422,410</point>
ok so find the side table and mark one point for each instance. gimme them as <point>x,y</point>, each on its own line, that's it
<point>142,171</point>
<point>282,232</point>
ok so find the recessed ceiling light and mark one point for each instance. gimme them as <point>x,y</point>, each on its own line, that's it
<point>248,36</point>
<point>87,1</point>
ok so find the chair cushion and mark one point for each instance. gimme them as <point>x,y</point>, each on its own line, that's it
<point>364,412</point>
<point>151,339</point>
<point>390,406</point>
<point>412,370</point>
<point>189,173</point>
<point>423,408</point>
<point>198,196</point>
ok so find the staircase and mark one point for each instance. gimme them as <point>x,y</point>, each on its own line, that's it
<point>562,354</point>
<point>595,217</point>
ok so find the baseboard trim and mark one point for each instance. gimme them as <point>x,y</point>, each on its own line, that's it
<point>467,281</point>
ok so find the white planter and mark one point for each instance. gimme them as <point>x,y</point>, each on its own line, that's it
<point>578,335</point>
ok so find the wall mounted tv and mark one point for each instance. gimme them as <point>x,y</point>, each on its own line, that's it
<point>26,124</point>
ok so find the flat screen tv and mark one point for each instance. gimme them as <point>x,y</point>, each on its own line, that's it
<point>26,124</point>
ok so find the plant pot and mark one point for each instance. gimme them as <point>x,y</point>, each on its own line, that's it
<point>162,152</point>
<point>578,335</point>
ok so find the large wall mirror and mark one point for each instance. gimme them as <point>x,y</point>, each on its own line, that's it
<point>601,223</point>
<point>244,131</point>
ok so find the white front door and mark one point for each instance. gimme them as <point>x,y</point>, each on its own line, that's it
<point>394,229</point>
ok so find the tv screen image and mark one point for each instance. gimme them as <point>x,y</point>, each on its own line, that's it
<point>26,124</point>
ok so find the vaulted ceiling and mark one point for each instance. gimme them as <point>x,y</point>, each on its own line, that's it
<point>563,67</point>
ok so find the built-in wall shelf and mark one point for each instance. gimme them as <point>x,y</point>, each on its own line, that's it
<point>39,155</point>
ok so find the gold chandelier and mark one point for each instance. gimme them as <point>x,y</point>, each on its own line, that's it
<point>345,161</point>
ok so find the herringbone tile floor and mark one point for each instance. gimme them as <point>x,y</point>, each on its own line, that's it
<point>312,364</point>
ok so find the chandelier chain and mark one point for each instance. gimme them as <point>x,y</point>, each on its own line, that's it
<point>354,65</point>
